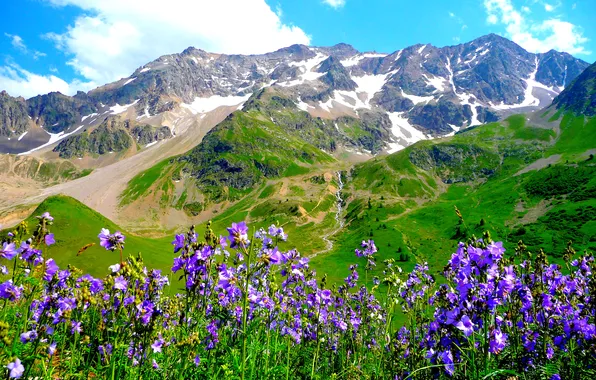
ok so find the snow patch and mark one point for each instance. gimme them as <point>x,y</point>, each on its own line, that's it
<point>115,110</point>
<point>129,81</point>
<point>54,137</point>
<point>144,69</point>
<point>21,136</point>
<point>417,99</point>
<point>151,144</point>
<point>204,105</point>
<point>302,105</point>
<point>353,61</point>
<point>436,82</point>
<point>529,98</point>
<point>306,68</point>
<point>88,116</point>
<point>405,132</point>
<point>421,49</point>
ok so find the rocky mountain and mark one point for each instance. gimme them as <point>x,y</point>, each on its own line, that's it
<point>112,135</point>
<point>419,92</point>
<point>13,116</point>
<point>580,96</point>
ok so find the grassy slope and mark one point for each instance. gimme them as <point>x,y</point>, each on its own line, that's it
<point>410,209</point>
<point>76,225</point>
<point>429,232</point>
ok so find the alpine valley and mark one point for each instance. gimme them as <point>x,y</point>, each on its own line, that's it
<point>331,143</point>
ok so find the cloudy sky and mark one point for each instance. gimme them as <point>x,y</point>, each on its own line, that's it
<point>72,45</point>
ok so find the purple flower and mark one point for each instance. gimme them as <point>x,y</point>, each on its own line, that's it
<point>156,346</point>
<point>76,327</point>
<point>110,241</point>
<point>556,376</point>
<point>197,360</point>
<point>16,369</point>
<point>8,251</point>
<point>155,365</point>
<point>276,257</point>
<point>498,341</point>
<point>46,215</point>
<point>465,325</point>
<point>28,336</point>
<point>120,283</point>
<point>52,349</point>
<point>447,359</point>
<point>49,239</point>
<point>51,269</point>
<point>9,291</point>
<point>178,243</point>
<point>238,235</point>
<point>114,268</point>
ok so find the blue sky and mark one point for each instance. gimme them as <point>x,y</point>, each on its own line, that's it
<point>70,45</point>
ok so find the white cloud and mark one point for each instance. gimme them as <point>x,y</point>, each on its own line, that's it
<point>17,42</point>
<point>536,36</point>
<point>451,14</point>
<point>526,9</point>
<point>19,82</point>
<point>335,3</point>
<point>114,37</point>
<point>548,8</point>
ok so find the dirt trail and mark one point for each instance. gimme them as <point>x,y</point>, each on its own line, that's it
<point>100,190</point>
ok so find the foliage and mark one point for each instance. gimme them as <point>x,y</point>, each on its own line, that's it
<point>248,309</point>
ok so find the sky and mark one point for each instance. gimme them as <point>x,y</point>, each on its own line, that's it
<point>77,45</point>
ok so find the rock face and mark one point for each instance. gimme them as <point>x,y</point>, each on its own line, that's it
<point>456,162</point>
<point>13,115</point>
<point>580,96</point>
<point>434,90</point>
<point>113,135</point>
<point>57,112</point>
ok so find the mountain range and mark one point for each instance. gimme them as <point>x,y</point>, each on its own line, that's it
<point>415,93</point>
<point>333,144</point>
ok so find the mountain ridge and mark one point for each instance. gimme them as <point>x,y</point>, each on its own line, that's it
<point>422,88</point>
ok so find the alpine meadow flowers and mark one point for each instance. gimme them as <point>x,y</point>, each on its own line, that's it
<point>239,306</point>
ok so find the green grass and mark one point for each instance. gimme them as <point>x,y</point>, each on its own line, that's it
<point>76,225</point>
<point>429,231</point>
<point>140,185</point>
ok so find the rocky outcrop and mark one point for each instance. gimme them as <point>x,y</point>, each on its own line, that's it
<point>580,96</point>
<point>13,115</point>
<point>113,135</point>
<point>57,112</point>
<point>455,163</point>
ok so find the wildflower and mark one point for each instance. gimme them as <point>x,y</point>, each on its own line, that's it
<point>156,346</point>
<point>9,291</point>
<point>498,341</point>
<point>16,369</point>
<point>46,215</point>
<point>155,365</point>
<point>120,283</point>
<point>238,235</point>
<point>52,349</point>
<point>8,251</point>
<point>114,268</point>
<point>197,360</point>
<point>49,239</point>
<point>76,327</point>
<point>28,336</point>
<point>465,325</point>
<point>178,243</point>
<point>51,269</point>
<point>556,376</point>
<point>447,359</point>
<point>110,241</point>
